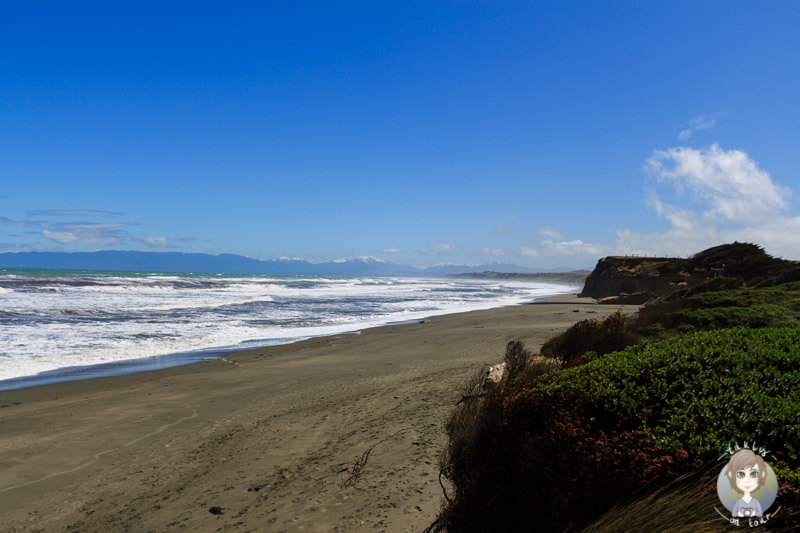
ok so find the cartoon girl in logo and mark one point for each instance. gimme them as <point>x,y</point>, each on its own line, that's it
<point>746,472</point>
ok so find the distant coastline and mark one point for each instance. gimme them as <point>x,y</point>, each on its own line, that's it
<point>578,276</point>
<point>198,263</point>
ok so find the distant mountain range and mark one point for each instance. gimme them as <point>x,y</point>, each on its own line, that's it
<point>236,264</point>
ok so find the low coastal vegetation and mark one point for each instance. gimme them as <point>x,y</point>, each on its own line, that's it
<point>619,424</point>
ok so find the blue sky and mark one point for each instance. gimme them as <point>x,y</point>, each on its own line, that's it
<point>536,133</point>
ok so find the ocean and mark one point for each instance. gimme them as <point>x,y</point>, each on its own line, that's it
<point>67,325</point>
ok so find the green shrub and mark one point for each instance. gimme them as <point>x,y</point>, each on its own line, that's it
<point>715,284</point>
<point>685,311</point>
<point>745,260</point>
<point>699,391</point>
<point>613,333</point>
<point>757,316</point>
<point>578,339</point>
<point>577,441</point>
<point>654,331</point>
<point>786,294</point>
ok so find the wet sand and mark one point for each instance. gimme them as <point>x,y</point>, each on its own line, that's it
<point>262,440</point>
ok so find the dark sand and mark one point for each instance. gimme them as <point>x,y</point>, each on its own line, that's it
<point>264,436</point>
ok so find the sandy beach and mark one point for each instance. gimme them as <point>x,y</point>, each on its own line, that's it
<point>262,440</point>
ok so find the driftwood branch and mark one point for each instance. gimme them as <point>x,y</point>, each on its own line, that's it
<point>356,471</point>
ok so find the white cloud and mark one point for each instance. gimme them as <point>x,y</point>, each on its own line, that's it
<point>157,242</point>
<point>562,248</point>
<point>494,252</point>
<point>704,122</point>
<point>390,251</point>
<point>88,233</point>
<point>700,122</point>
<point>91,226</point>
<point>72,212</point>
<point>443,248</point>
<point>553,234</point>
<point>724,195</point>
<point>732,183</point>
<point>679,218</point>
<point>708,197</point>
<point>64,237</point>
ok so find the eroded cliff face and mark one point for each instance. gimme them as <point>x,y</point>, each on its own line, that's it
<point>633,280</point>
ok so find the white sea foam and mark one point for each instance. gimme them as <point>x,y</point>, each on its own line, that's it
<point>52,323</point>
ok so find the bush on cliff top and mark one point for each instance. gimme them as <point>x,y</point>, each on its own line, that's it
<point>758,316</point>
<point>786,294</point>
<point>687,309</point>
<point>748,261</point>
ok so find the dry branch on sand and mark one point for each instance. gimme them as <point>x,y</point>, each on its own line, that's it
<point>356,471</point>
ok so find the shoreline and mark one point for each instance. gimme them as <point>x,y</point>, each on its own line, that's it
<point>160,362</point>
<point>265,435</point>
